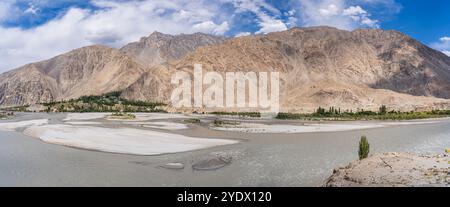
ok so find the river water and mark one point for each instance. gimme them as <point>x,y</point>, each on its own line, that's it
<point>259,160</point>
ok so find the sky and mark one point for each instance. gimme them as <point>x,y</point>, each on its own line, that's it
<point>35,30</point>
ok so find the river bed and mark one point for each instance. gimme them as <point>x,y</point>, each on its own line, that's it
<point>258,159</point>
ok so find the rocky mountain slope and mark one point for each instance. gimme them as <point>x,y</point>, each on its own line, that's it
<point>95,70</point>
<point>160,48</point>
<point>324,66</point>
<point>88,70</point>
<point>319,66</point>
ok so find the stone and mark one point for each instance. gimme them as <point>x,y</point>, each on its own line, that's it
<point>173,166</point>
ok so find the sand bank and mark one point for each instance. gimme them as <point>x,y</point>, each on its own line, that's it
<point>85,116</point>
<point>155,116</point>
<point>82,123</point>
<point>279,128</point>
<point>160,125</point>
<point>151,116</point>
<point>11,126</point>
<point>246,127</point>
<point>121,140</point>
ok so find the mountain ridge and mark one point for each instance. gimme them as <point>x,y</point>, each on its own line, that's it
<point>320,66</point>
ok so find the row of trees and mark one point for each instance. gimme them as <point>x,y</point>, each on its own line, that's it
<point>109,102</point>
<point>382,114</point>
<point>332,111</point>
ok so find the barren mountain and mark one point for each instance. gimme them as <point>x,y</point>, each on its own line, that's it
<point>85,71</point>
<point>324,66</point>
<point>95,70</point>
<point>319,66</point>
<point>160,48</point>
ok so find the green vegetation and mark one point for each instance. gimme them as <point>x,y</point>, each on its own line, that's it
<point>364,148</point>
<point>110,102</point>
<point>221,123</point>
<point>240,114</point>
<point>5,115</point>
<point>336,114</point>
<point>383,109</point>
<point>192,121</point>
<point>120,115</point>
<point>16,108</point>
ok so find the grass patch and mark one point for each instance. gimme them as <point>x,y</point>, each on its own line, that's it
<point>221,123</point>
<point>6,115</point>
<point>336,115</point>
<point>120,115</point>
<point>240,114</point>
<point>16,108</point>
<point>192,121</point>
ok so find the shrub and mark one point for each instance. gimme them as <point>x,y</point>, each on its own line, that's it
<point>383,109</point>
<point>192,121</point>
<point>364,148</point>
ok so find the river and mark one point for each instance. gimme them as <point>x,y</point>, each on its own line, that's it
<point>302,159</point>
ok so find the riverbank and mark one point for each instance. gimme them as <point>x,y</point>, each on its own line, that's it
<point>161,133</point>
<point>121,140</point>
<point>135,135</point>
<point>308,126</point>
<point>259,159</point>
<point>394,170</point>
<point>335,115</point>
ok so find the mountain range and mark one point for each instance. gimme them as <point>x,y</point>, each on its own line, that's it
<point>319,66</point>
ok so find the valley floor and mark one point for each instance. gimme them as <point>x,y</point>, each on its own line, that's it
<point>241,152</point>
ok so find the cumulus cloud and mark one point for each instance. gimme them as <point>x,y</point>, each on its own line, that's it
<point>32,9</point>
<point>242,34</point>
<point>335,13</point>
<point>360,15</point>
<point>443,45</point>
<point>445,39</point>
<point>4,9</point>
<point>211,27</point>
<point>116,23</point>
<point>354,11</point>
<point>268,23</point>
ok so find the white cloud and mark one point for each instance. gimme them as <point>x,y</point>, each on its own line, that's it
<point>211,27</point>
<point>354,11</point>
<point>445,39</point>
<point>330,10</point>
<point>32,9</point>
<point>4,9</point>
<point>119,22</point>
<point>335,13</point>
<point>360,15</point>
<point>242,34</point>
<point>267,23</point>
<point>115,24</point>
<point>443,45</point>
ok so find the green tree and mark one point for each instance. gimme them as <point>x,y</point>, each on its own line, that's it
<point>364,148</point>
<point>383,110</point>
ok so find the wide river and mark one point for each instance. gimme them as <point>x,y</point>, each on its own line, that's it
<point>304,159</point>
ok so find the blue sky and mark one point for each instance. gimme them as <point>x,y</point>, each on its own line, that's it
<point>34,30</point>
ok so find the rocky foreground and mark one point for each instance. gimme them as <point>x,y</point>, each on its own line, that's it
<point>394,170</point>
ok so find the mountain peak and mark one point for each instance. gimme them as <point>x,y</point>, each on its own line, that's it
<point>158,34</point>
<point>159,48</point>
<point>319,66</point>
